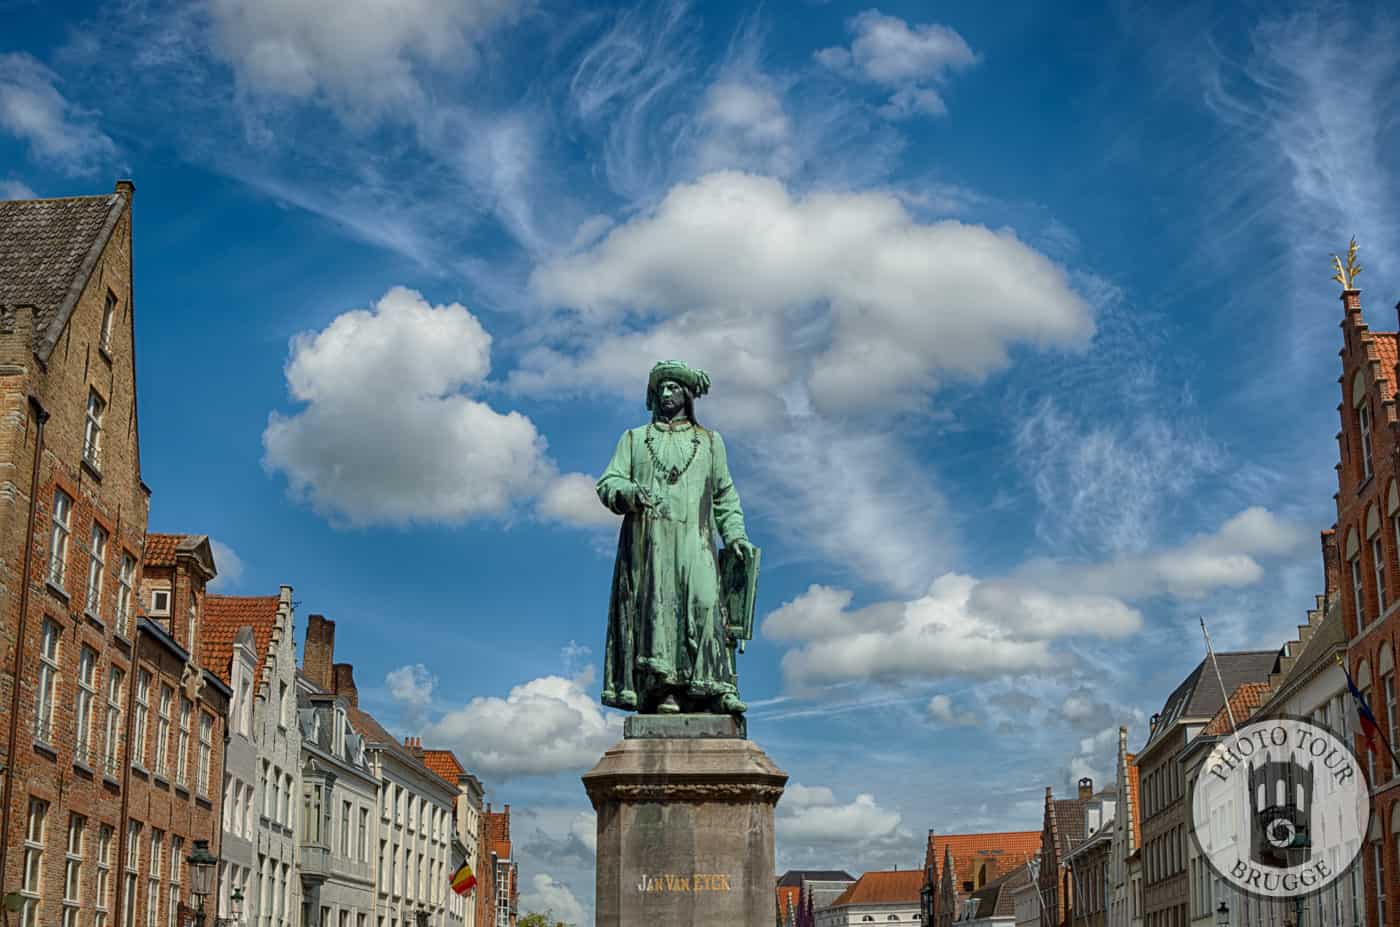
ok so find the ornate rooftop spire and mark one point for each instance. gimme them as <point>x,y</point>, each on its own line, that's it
<point>1347,273</point>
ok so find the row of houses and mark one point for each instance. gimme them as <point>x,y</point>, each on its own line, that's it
<point>1124,856</point>
<point>149,720</point>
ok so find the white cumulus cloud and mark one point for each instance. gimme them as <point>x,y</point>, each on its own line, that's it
<point>229,565</point>
<point>545,726</point>
<point>546,896</point>
<point>910,60</point>
<point>942,711</point>
<point>358,55</point>
<point>411,685</point>
<point>388,433</point>
<point>573,499</point>
<point>58,132</point>
<point>844,296</point>
<point>811,816</point>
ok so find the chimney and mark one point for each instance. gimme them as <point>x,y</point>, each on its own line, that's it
<point>1086,788</point>
<point>345,683</point>
<point>318,653</point>
<point>1331,565</point>
<point>127,189</point>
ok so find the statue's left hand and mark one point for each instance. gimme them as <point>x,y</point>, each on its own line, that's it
<point>743,548</point>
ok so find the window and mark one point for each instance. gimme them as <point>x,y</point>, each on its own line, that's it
<point>35,839</point>
<point>190,624</point>
<point>160,602</point>
<point>1378,860</point>
<point>133,865</point>
<point>46,694</point>
<point>167,697</point>
<point>1358,591</point>
<point>1388,688</point>
<point>206,751</point>
<point>182,755</point>
<point>104,876</point>
<point>345,829</point>
<point>1363,422</point>
<point>364,835</point>
<point>109,311</point>
<point>87,695</point>
<point>125,577</point>
<point>153,879</point>
<point>172,905</point>
<point>97,570</point>
<point>58,535</point>
<point>245,709</point>
<point>1378,564</point>
<point>267,790</point>
<point>92,435</point>
<point>143,710</point>
<point>282,703</point>
<point>311,813</point>
<point>112,740</point>
<point>73,870</point>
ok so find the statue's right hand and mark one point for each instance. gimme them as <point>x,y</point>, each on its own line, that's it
<point>637,497</point>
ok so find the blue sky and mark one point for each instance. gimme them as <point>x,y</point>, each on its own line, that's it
<point>1019,323</point>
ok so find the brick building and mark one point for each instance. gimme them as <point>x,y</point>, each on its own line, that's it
<point>1368,528</point>
<point>1061,831</point>
<point>499,905</point>
<point>113,733</point>
<point>466,818</point>
<point>956,865</point>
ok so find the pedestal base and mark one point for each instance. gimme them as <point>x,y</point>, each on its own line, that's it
<point>685,828</point>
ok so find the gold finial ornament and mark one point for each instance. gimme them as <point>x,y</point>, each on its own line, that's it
<point>1347,273</point>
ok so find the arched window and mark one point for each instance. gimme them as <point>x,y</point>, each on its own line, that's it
<point>1362,405</point>
<point>1373,540</point>
<point>1358,589</point>
<point>868,919</point>
<point>1362,678</point>
<point>1385,675</point>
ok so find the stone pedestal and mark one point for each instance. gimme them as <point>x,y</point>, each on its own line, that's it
<point>685,825</point>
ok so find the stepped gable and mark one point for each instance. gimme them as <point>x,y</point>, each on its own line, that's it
<point>1001,850</point>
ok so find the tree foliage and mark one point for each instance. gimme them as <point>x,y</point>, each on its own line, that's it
<point>536,919</point>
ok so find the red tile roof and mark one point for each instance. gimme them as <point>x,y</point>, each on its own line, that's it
<point>1389,353</point>
<point>444,763</point>
<point>223,616</point>
<point>496,825</point>
<point>890,886</point>
<point>160,548</point>
<point>1004,851</point>
<point>1244,701</point>
<point>788,897</point>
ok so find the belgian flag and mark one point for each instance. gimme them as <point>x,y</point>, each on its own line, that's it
<point>463,880</point>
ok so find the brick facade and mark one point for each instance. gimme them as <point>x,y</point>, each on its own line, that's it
<point>73,512</point>
<point>1367,531</point>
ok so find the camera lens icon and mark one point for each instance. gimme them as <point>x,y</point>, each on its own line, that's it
<point>1281,833</point>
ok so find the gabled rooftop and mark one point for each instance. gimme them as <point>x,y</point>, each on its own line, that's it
<point>886,886</point>
<point>224,615</point>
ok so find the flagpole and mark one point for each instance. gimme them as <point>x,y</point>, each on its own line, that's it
<point>1210,652</point>
<point>1351,683</point>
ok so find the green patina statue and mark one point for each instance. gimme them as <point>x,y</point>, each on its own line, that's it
<point>678,608</point>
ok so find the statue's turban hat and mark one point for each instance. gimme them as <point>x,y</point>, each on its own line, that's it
<point>692,378</point>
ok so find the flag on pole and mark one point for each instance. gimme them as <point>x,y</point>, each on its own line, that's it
<point>463,880</point>
<point>1369,728</point>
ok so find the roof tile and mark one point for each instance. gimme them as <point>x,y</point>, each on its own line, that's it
<point>223,616</point>
<point>971,849</point>
<point>1244,701</point>
<point>886,886</point>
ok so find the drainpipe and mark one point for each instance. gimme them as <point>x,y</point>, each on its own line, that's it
<point>40,416</point>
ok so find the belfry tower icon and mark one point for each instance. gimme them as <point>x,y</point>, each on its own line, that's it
<point>1280,804</point>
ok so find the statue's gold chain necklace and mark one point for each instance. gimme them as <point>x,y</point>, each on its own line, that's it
<point>675,473</point>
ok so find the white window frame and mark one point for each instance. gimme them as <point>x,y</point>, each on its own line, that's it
<point>83,708</point>
<point>1388,690</point>
<point>177,849</point>
<point>126,580</point>
<point>102,902</point>
<point>109,312</point>
<point>1358,590</point>
<point>59,531</point>
<point>1378,567</point>
<point>97,569</point>
<point>46,689</point>
<point>206,752</point>
<point>112,738</point>
<point>1363,424</point>
<point>73,870</point>
<point>162,757</point>
<point>191,625</point>
<point>92,429</point>
<point>32,880</point>
<point>141,717</point>
<point>182,760</point>
<point>153,879</point>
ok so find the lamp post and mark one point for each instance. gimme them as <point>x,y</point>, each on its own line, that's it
<point>1222,915</point>
<point>235,905</point>
<point>201,877</point>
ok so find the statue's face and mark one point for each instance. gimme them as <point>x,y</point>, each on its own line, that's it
<point>670,396</point>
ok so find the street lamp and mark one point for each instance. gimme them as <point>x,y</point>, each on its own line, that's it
<point>1222,915</point>
<point>201,877</point>
<point>235,905</point>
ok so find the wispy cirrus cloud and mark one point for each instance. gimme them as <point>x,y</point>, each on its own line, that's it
<point>57,130</point>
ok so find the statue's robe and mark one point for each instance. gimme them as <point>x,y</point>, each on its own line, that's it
<point>666,627</point>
